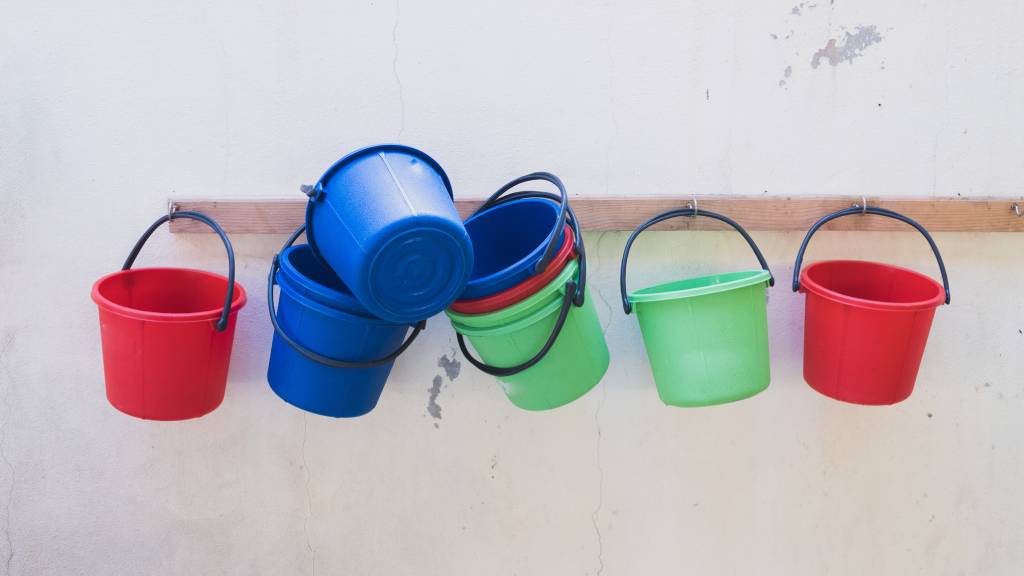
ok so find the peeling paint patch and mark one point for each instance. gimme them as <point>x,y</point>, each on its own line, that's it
<point>433,408</point>
<point>852,46</point>
<point>451,366</point>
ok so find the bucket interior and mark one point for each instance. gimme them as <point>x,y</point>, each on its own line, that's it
<point>874,282</point>
<point>505,235</point>
<point>302,270</point>
<point>168,291</point>
<point>306,264</point>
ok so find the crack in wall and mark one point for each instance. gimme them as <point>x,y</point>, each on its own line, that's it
<point>309,497</point>
<point>394,70</point>
<point>9,379</point>
<point>596,290</point>
<point>611,101</point>
<point>600,484</point>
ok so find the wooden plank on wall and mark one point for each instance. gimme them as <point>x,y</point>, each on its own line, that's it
<point>622,213</point>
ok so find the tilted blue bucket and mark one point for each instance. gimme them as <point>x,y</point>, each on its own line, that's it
<point>509,240</point>
<point>383,219</point>
<point>317,321</point>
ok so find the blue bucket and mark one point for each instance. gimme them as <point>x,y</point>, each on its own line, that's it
<point>318,321</point>
<point>383,219</point>
<point>509,240</point>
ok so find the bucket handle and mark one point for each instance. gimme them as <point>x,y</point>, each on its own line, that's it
<point>222,323</point>
<point>627,306</point>
<point>563,314</point>
<point>563,202</point>
<point>332,362</point>
<point>878,212</point>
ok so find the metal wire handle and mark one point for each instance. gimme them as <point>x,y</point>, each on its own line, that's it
<point>222,323</point>
<point>627,306</point>
<point>879,212</point>
<point>327,361</point>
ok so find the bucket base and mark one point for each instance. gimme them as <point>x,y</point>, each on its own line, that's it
<point>323,390</point>
<point>163,417</point>
<point>846,399</point>
<point>725,399</point>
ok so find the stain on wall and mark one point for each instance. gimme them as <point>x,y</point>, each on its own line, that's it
<point>451,366</point>
<point>433,408</point>
<point>852,46</point>
<point>785,76</point>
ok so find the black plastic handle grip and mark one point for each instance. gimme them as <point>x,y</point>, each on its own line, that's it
<point>563,201</point>
<point>222,323</point>
<point>332,362</point>
<point>627,306</point>
<point>877,212</point>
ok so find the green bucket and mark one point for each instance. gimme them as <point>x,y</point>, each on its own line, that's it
<point>576,355</point>
<point>706,337</point>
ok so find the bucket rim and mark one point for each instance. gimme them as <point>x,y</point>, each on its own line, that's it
<point>335,313</point>
<point>344,300</point>
<point>513,326</point>
<point>389,147</point>
<point>523,307</point>
<point>240,298</point>
<point>524,289</point>
<point>534,256</point>
<point>662,292</point>
<point>809,285</point>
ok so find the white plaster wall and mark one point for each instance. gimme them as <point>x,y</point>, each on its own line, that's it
<point>109,108</point>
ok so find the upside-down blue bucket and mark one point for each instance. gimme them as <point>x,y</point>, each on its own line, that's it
<point>317,313</point>
<point>383,219</point>
<point>508,242</point>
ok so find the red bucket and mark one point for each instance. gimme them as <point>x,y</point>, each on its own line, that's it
<point>866,323</point>
<point>167,334</point>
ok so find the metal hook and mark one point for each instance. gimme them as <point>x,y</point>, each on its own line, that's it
<point>1017,210</point>
<point>693,205</point>
<point>863,205</point>
<point>172,207</point>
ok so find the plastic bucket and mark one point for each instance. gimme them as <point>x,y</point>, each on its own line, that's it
<point>575,361</point>
<point>547,349</point>
<point>167,334</point>
<point>525,289</point>
<point>383,219</point>
<point>706,337</point>
<point>866,323</point>
<point>317,321</point>
<point>515,239</point>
